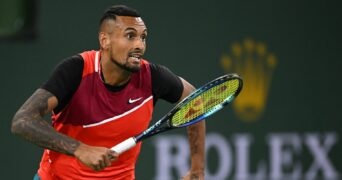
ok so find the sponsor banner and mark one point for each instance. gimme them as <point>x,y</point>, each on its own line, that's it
<point>286,155</point>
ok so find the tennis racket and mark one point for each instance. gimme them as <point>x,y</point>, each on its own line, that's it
<point>199,105</point>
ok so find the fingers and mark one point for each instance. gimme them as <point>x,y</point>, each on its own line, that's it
<point>106,160</point>
<point>102,164</point>
<point>97,158</point>
<point>96,168</point>
<point>193,176</point>
<point>113,155</point>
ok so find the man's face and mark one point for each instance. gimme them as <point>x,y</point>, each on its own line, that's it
<point>127,42</point>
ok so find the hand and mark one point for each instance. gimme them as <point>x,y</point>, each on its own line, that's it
<point>193,176</point>
<point>97,158</point>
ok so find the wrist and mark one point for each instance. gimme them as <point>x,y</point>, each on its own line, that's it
<point>197,168</point>
<point>78,150</point>
<point>197,163</point>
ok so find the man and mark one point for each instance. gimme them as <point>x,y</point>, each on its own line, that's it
<point>98,99</point>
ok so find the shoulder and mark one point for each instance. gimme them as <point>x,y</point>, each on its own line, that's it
<point>158,69</point>
<point>65,79</point>
<point>75,60</point>
<point>165,84</point>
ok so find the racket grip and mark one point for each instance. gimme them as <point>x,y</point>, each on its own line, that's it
<point>124,145</point>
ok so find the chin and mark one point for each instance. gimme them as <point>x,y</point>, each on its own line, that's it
<point>134,69</point>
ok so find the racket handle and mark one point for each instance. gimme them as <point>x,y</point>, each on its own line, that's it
<point>124,145</point>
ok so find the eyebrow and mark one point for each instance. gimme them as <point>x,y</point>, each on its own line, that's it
<point>133,29</point>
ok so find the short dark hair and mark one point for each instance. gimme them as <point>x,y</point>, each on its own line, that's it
<point>118,10</point>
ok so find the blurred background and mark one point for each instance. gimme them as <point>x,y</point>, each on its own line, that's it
<point>286,122</point>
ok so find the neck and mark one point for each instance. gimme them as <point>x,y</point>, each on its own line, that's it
<point>113,74</point>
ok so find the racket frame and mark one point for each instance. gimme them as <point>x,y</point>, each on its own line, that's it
<point>152,130</point>
<point>164,124</point>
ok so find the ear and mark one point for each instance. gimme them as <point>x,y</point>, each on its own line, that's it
<point>104,40</point>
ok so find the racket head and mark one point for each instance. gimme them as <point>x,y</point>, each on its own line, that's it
<point>206,100</point>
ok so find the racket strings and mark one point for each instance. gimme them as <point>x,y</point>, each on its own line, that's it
<point>206,102</point>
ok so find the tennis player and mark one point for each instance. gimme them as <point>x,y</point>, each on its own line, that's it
<point>100,98</point>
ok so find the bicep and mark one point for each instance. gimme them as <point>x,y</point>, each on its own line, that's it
<point>31,112</point>
<point>41,102</point>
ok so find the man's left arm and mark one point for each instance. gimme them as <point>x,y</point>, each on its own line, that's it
<point>196,137</point>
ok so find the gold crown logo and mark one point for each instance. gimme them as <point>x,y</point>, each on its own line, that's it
<point>255,64</point>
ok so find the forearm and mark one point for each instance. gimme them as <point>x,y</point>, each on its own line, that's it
<point>196,136</point>
<point>28,123</point>
<point>39,132</point>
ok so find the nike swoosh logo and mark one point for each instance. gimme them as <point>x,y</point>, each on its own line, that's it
<point>130,101</point>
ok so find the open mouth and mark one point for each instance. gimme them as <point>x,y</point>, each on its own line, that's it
<point>135,58</point>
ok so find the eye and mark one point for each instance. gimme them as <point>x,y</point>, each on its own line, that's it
<point>143,37</point>
<point>130,36</point>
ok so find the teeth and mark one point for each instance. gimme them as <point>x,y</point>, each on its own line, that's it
<point>135,58</point>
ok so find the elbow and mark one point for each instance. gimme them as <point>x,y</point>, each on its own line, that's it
<point>16,126</point>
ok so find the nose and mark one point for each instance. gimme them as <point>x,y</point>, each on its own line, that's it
<point>140,44</point>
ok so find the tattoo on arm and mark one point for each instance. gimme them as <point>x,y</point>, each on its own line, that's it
<point>196,137</point>
<point>28,122</point>
<point>193,139</point>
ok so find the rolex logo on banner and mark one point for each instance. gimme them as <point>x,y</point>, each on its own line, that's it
<point>252,60</point>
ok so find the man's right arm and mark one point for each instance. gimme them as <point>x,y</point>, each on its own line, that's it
<point>28,123</point>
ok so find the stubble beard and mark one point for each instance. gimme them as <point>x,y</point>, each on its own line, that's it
<point>125,66</point>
